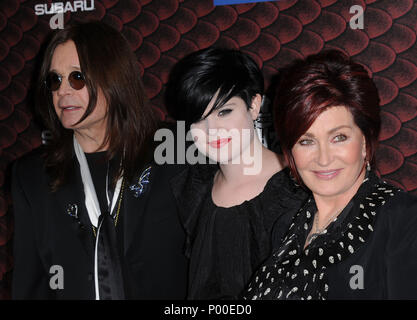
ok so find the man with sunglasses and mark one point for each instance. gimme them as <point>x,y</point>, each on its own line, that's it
<point>94,216</point>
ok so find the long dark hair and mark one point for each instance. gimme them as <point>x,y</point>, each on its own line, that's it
<point>108,63</point>
<point>323,80</point>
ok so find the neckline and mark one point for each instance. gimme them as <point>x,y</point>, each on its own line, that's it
<point>96,156</point>
<point>95,153</point>
<point>345,217</point>
<point>266,187</point>
<point>333,227</point>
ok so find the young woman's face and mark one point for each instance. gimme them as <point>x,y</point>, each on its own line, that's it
<point>70,104</point>
<point>228,131</point>
<point>330,156</point>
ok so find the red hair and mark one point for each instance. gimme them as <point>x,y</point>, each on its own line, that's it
<point>321,81</point>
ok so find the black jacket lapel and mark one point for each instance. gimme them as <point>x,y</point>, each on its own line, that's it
<point>70,194</point>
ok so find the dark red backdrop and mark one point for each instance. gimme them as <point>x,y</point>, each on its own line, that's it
<point>274,33</point>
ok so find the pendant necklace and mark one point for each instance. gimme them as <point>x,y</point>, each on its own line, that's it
<point>318,232</point>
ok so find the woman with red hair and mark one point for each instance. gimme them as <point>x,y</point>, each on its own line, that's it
<point>355,238</point>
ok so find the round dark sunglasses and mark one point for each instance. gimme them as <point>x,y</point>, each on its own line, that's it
<point>76,80</point>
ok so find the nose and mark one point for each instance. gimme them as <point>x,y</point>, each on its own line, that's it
<point>205,125</point>
<point>324,156</point>
<point>64,88</point>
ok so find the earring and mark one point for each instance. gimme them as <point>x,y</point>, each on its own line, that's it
<point>293,179</point>
<point>368,166</point>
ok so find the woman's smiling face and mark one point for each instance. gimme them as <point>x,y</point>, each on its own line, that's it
<point>330,156</point>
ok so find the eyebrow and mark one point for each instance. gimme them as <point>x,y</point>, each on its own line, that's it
<point>229,104</point>
<point>330,131</point>
<point>73,67</point>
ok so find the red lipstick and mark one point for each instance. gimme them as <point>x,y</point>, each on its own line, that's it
<point>219,143</point>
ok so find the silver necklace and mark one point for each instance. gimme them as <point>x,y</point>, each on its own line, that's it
<point>318,232</point>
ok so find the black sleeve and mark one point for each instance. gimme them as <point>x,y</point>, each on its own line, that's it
<point>30,279</point>
<point>285,199</point>
<point>402,249</point>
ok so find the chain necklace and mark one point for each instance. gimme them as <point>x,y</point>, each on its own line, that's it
<point>116,217</point>
<point>323,230</point>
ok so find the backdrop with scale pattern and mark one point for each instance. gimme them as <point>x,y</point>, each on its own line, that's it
<point>161,32</point>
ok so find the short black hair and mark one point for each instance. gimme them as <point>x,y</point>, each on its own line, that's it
<point>196,79</point>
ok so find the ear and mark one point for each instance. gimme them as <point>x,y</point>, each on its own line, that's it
<point>364,151</point>
<point>255,106</point>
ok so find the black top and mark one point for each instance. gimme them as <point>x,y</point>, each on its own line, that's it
<point>226,245</point>
<point>98,165</point>
<point>113,281</point>
<point>368,252</point>
<point>99,168</point>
